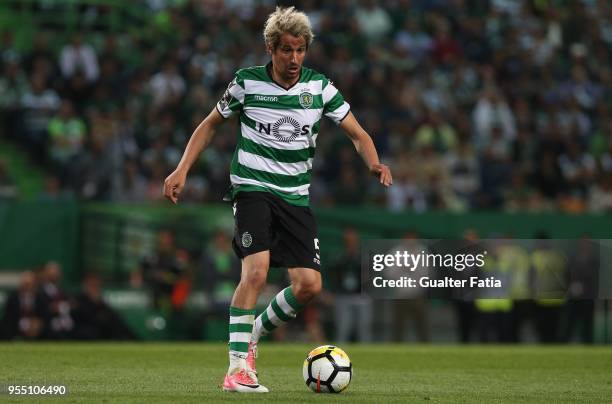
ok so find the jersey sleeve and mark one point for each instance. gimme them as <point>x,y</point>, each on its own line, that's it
<point>334,106</point>
<point>232,100</point>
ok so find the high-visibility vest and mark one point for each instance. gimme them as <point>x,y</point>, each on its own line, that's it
<point>513,260</point>
<point>492,300</point>
<point>550,285</point>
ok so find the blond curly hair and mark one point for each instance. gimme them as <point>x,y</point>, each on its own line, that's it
<point>287,20</point>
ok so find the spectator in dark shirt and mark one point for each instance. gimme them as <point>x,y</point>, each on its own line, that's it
<point>58,322</point>
<point>24,311</point>
<point>93,318</point>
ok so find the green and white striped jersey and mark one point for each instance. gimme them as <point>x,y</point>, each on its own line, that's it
<point>278,130</point>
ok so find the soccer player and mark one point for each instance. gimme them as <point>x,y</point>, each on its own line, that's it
<point>279,107</point>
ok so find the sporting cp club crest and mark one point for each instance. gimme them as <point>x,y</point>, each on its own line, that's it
<point>306,100</point>
<point>247,240</point>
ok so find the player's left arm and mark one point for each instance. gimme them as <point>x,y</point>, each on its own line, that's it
<point>365,147</point>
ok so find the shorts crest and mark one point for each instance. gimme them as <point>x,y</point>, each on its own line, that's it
<point>247,239</point>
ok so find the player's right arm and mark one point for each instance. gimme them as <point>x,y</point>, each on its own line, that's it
<point>229,105</point>
<point>200,139</point>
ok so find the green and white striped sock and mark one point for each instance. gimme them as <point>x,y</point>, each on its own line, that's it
<point>240,329</point>
<point>283,308</point>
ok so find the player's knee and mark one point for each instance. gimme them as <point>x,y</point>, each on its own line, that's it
<point>307,289</point>
<point>255,278</point>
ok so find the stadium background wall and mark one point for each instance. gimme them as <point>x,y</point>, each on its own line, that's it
<point>112,238</point>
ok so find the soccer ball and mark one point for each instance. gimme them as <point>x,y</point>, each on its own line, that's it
<point>327,369</point>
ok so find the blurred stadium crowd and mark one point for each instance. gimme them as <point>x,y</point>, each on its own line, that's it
<point>42,309</point>
<point>547,297</point>
<point>475,104</point>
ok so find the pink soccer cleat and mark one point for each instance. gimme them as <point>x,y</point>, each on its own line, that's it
<point>242,382</point>
<point>250,360</point>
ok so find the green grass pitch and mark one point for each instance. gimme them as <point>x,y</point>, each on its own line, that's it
<point>192,372</point>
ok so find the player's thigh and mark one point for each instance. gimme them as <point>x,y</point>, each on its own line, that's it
<point>298,243</point>
<point>252,217</point>
<point>255,268</point>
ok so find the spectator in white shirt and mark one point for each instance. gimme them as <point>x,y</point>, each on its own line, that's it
<point>38,104</point>
<point>492,111</point>
<point>578,167</point>
<point>79,56</point>
<point>167,86</point>
<point>374,21</point>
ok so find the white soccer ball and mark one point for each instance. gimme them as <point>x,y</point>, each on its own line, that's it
<point>327,369</point>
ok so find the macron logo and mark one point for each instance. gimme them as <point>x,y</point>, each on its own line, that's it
<point>268,98</point>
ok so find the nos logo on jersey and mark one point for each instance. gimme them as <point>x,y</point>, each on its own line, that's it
<point>306,99</point>
<point>286,129</point>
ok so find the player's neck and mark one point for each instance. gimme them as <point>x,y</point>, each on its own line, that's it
<point>285,83</point>
<point>278,79</point>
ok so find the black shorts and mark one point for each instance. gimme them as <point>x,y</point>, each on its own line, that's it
<point>265,221</point>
